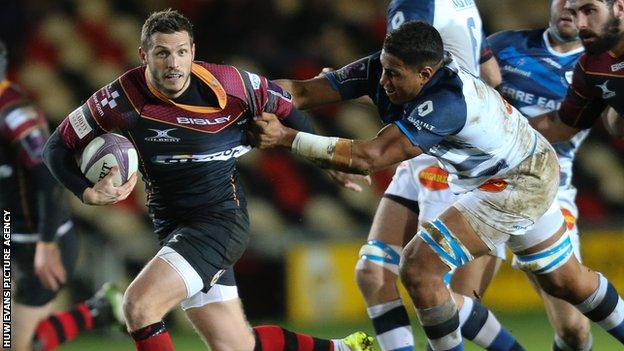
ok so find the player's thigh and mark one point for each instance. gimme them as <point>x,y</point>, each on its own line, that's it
<point>395,221</point>
<point>474,278</point>
<point>24,322</point>
<point>223,325</point>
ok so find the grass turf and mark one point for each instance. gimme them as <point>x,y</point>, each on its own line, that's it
<point>532,330</point>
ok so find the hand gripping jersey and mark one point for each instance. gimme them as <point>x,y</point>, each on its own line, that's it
<point>458,22</point>
<point>598,82</point>
<point>23,133</point>
<point>535,80</point>
<point>187,153</point>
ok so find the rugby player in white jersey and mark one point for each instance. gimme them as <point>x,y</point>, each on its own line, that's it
<point>507,175</point>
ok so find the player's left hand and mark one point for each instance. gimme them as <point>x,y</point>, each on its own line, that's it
<point>348,180</point>
<point>48,265</point>
<point>267,131</point>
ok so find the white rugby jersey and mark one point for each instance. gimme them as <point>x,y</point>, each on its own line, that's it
<point>472,131</point>
<point>458,22</point>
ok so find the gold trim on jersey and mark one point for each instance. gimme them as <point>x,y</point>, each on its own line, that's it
<point>4,85</point>
<point>205,76</point>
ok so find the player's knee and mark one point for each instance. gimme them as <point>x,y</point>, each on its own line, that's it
<point>378,266</point>
<point>412,272</point>
<point>136,308</point>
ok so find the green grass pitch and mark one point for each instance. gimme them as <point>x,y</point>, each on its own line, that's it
<point>532,330</point>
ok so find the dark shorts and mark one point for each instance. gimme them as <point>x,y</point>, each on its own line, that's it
<point>210,242</point>
<point>29,290</point>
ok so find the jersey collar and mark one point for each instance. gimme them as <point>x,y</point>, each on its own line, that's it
<point>207,78</point>
<point>557,53</point>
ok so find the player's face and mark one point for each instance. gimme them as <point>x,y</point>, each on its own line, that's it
<point>598,24</point>
<point>169,59</point>
<point>401,82</point>
<point>562,21</point>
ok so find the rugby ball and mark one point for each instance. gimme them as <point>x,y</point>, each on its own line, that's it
<point>106,151</point>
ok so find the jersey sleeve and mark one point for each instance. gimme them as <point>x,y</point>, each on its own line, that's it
<point>486,49</point>
<point>582,105</point>
<point>401,11</point>
<point>105,111</point>
<point>265,96</point>
<point>25,128</point>
<point>433,118</point>
<point>354,80</point>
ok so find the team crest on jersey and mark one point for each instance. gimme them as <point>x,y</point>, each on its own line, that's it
<point>434,178</point>
<point>493,186</point>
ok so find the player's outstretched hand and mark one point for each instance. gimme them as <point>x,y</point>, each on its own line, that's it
<point>348,180</point>
<point>267,131</point>
<point>105,193</point>
<point>48,265</point>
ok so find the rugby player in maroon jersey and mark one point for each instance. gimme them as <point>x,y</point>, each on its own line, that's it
<point>598,80</point>
<point>187,120</point>
<point>44,244</point>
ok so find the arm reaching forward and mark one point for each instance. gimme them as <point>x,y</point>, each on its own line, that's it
<point>390,146</point>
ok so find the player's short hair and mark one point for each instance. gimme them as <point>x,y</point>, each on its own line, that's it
<point>4,60</point>
<point>165,21</point>
<point>415,43</point>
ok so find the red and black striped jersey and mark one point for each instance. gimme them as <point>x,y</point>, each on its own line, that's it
<point>187,151</point>
<point>598,82</point>
<point>23,133</point>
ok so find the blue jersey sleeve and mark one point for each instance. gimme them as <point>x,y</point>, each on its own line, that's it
<point>433,117</point>
<point>500,40</point>
<point>401,11</point>
<point>355,79</point>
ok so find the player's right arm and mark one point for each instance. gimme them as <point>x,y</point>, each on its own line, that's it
<point>347,83</point>
<point>93,118</point>
<point>579,110</point>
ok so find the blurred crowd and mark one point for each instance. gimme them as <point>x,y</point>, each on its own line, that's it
<point>62,51</point>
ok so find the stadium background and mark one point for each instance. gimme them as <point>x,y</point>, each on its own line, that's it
<point>306,231</point>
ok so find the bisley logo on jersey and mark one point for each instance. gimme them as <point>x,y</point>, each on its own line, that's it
<point>617,66</point>
<point>162,136</point>
<point>204,121</point>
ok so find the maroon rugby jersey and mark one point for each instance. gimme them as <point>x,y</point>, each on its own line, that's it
<point>23,133</point>
<point>187,153</point>
<point>598,82</point>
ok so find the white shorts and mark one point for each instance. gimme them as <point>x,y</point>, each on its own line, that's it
<point>421,180</point>
<point>195,297</point>
<point>520,207</point>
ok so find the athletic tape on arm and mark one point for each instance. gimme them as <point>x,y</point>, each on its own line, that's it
<point>324,151</point>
